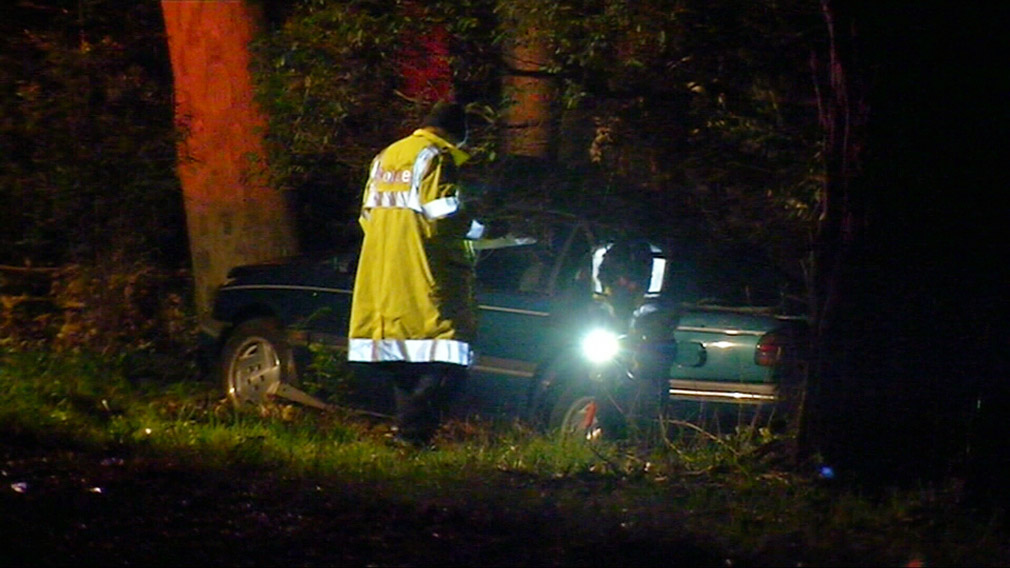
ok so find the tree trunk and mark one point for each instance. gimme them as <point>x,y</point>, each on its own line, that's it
<point>843,116</point>
<point>906,267</point>
<point>233,216</point>
<point>528,90</point>
<point>841,225</point>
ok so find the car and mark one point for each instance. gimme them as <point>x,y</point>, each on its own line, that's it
<point>537,313</point>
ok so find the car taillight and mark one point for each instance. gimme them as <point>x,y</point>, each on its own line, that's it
<point>769,350</point>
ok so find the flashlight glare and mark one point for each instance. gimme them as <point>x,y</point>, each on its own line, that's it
<point>600,345</point>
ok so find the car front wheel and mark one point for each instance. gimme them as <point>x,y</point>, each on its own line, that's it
<point>582,413</point>
<point>255,359</point>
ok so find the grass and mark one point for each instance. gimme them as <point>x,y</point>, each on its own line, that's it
<point>725,489</point>
<point>86,398</point>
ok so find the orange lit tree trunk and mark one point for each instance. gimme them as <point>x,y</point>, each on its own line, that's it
<point>233,216</point>
<point>528,91</point>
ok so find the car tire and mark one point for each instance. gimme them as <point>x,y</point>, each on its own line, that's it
<point>583,413</point>
<point>255,358</point>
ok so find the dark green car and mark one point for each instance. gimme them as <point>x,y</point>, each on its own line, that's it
<point>542,352</point>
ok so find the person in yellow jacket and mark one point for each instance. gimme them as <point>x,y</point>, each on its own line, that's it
<point>413,316</point>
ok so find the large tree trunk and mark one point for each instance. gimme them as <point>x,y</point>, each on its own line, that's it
<point>528,90</point>
<point>841,227</point>
<point>233,215</point>
<point>901,271</point>
<point>843,117</point>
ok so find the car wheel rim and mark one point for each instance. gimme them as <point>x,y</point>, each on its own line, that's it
<point>254,368</point>
<point>582,421</point>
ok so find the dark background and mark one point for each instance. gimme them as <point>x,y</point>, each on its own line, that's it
<point>920,352</point>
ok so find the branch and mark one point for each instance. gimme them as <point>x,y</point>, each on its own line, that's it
<point>29,270</point>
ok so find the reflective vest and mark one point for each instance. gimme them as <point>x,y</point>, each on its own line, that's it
<point>413,294</point>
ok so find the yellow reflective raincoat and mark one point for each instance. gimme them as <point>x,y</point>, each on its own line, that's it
<point>413,293</point>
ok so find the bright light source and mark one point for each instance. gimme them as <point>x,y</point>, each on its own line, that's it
<point>600,345</point>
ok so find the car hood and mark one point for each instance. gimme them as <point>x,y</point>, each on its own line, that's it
<point>292,270</point>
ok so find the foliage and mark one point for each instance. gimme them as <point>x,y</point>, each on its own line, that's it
<point>672,112</point>
<point>86,138</point>
<point>329,374</point>
<point>329,79</point>
<point>114,305</point>
<point>702,110</point>
<point>695,119</point>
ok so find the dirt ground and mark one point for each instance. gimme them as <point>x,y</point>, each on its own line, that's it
<point>60,506</point>
<point>66,506</point>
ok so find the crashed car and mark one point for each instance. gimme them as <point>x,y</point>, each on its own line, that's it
<point>540,353</point>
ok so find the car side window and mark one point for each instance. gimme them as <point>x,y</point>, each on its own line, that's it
<point>344,262</point>
<point>556,265</point>
<point>521,269</point>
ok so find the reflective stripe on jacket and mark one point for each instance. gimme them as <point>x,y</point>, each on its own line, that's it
<point>413,293</point>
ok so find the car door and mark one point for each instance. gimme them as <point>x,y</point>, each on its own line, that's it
<point>514,310</point>
<point>522,301</point>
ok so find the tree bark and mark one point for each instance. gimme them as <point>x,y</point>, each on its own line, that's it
<point>233,216</point>
<point>843,117</point>
<point>528,90</point>
<point>841,224</point>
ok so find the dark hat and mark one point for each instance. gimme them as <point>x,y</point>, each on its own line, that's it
<point>450,117</point>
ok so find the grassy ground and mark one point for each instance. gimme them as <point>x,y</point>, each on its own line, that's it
<point>102,469</point>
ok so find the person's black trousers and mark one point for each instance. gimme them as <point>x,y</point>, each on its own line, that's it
<point>423,393</point>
